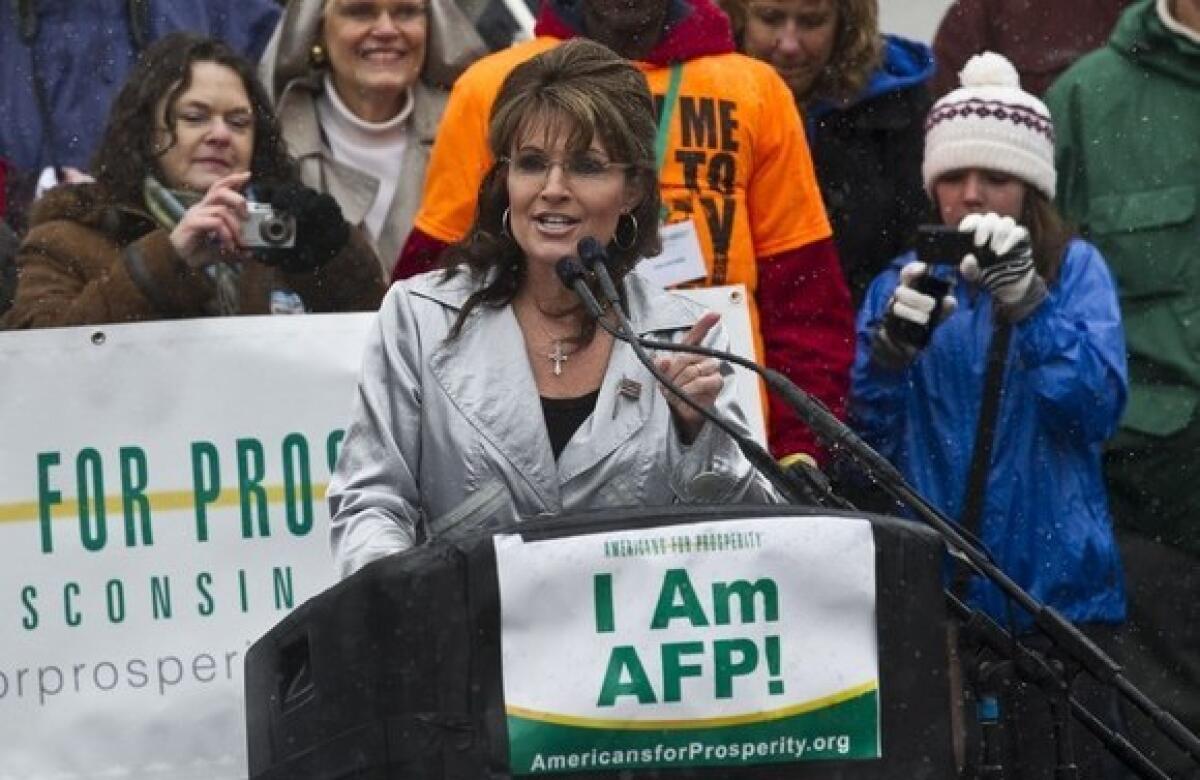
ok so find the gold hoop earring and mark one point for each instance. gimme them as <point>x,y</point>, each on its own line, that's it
<point>626,246</point>
<point>316,56</point>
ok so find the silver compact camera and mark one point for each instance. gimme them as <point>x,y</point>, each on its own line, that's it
<point>266,228</point>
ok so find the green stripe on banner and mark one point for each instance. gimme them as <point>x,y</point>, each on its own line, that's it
<point>845,731</point>
<point>160,501</point>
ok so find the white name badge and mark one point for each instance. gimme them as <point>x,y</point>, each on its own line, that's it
<point>681,259</point>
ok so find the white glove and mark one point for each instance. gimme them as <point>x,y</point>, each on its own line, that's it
<point>1011,278</point>
<point>911,317</point>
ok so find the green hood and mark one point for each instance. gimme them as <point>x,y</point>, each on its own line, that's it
<point>1141,37</point>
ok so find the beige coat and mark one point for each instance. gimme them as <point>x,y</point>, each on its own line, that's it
<point>294,83</point>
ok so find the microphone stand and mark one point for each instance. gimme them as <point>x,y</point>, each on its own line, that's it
<point>572,274</point>
<point>840,439</point>
<point>843,441</point>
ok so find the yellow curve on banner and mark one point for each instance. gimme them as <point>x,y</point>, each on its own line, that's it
<point>696,723</point>
<point>162,501</point>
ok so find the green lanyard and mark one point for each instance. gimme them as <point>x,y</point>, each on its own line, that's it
<point>664,124</point>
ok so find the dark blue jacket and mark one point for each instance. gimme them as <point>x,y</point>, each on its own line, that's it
<point>83,52</point>
<point>868,159</point>
<point>1045,517</point>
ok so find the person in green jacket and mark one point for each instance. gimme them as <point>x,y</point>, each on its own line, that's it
<point>1128,156</point>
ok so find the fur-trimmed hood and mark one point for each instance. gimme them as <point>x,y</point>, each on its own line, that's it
<point>90,205</point>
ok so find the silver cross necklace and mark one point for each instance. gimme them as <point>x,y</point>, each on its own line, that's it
<point>558,357</point>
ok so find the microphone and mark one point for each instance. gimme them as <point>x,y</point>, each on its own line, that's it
<point>841,440</point>
<point>596,259</point>
<point>803,469</point>
<point>572,275</point>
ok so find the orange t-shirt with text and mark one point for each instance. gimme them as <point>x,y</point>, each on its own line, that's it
<point>736,160</point>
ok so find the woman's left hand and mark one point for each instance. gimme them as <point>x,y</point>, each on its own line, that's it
<point>697,376</point>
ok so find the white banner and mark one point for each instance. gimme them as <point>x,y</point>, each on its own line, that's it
<point>161,506</point>
<point>730,302</point>
<point>728,643</point>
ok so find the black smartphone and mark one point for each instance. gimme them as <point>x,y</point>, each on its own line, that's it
<point>943,245</point>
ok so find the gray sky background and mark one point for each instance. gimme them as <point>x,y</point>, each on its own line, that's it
<point>916,19</point>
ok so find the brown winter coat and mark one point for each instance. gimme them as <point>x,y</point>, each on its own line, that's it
<point>86,261</point>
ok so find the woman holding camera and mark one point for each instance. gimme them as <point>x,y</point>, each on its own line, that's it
<point>994,399</point>
<point>488,383</point>
<point>190,168</point>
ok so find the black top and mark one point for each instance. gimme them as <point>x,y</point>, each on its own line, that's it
<point>564,416</point>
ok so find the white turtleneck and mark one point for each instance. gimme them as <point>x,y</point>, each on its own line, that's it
<point>375,148</point>
<point>1174,25</point>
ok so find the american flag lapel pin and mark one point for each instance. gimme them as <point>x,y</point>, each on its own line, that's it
<point>626,388</point>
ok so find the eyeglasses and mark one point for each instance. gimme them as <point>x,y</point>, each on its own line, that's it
<point>579,167</point>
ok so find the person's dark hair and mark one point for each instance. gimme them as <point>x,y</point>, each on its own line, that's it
<point>1048,232</point>
<point>586,90</point>
<point>131,145</point>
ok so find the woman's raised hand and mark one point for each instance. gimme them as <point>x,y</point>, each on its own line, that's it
<point>697,376</point>
<point>211,229</point>
<point>1012,279</point>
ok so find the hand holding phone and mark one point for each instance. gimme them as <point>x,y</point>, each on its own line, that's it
<point>1002,263</point>
<point>946,245</point>
<point>920,301</point>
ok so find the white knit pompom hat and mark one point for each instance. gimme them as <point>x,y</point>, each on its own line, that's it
<point>990,122</point>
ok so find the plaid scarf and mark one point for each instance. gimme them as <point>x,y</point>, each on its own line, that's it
<point>168,207</point>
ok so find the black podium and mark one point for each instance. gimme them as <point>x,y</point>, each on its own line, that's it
<point>395,672</point>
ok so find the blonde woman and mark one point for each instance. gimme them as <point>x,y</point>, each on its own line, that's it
<point>359,88</point>
<point>864,98</point>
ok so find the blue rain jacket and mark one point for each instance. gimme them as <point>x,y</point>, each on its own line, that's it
<point>1045,518</point>
<point>84,52</point>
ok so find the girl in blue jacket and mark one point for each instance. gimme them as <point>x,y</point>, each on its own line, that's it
<point>989,166</point>
<point>919,374</point>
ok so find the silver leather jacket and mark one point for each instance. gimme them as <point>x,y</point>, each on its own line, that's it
<point>443,429</point>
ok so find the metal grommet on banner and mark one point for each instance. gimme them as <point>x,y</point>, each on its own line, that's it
<point>736,296</point>
<point>98,338</point>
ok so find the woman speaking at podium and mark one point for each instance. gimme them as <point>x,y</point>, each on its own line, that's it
<point>487,387</point>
